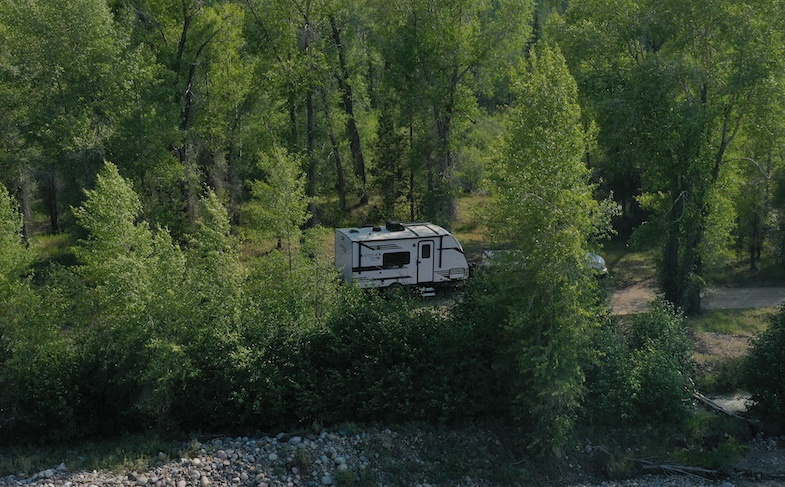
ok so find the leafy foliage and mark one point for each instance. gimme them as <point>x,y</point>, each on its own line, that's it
<point>764,369</point>
<point>674,102</point>
<point>544,209</point>
<point>235,118</point>
<point>642,371</point>
<point>37,363</point>
<point>280,205</point>
<point>387,360</point>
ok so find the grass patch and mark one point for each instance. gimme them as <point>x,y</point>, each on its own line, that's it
<point>54,248</point>
<point>745,322</point>
<point>735,271</point>
<point>626,264</point>
<point>125,453</point>
<point>468,228</point>
<point>717,375</point>
<point>722,341</point>
<point>712,441</point>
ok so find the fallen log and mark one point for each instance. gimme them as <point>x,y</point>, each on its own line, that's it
<point>678,469</point>
<point>716,407</point>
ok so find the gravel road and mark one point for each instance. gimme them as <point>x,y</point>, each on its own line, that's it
<point>740,298</point>
<point>636,297</point>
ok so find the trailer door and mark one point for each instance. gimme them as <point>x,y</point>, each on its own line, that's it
<point>425,251</point>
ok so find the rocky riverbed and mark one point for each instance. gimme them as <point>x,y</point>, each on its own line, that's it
<point>314,460</point>
<point>341,458</point>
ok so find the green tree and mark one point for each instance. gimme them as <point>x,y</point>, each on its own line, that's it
<point>758,165</point>
<point>14,258</point>
<point>118,247</point>
<point>280,205</point>
<point>156,324</point>
<point>37,372</point>
<point>348,20</point>
<point>125,269</point>
<point>390,170</point>
<point>61,83</point>
<point>439,59</point>
<point>676,83</point>
<point>196,111</point>
<point>543,207</point>
<point>294,49</point>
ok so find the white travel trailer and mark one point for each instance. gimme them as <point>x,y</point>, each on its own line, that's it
<point>408,254</point>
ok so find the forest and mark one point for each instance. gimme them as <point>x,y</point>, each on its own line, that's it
<point>172,170</point>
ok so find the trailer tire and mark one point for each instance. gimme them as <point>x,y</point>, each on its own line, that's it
<point>395,290</point>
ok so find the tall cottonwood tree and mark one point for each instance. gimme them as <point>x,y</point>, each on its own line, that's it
<point>61,83</point>
<point>198,103</point>
<point>438,58</point>
<point>674,83</point>
<point>543,207</point>
<point>291,43</point>
<point>310,59</point>
<point>227,101</point>
<point>758,166</point>
<point>339,25</point>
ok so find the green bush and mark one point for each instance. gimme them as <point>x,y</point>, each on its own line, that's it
<point>389,360</point>
<point>40,390</point>
<point>763,372</point>
<point>642,373</point>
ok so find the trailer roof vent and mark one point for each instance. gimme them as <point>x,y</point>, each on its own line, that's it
<point>394,226</point>
<point>376,229</point>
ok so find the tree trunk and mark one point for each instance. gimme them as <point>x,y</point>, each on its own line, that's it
<point>348,104</point>
<point>50,199</point>
<point>310,130</point>
<point>670,279</point>
<point>234,183</point>
<point>693,270</point>
<point>25,206</point>
<point>755,239</point>
<point>311,148</point>
<point>412,205</point>
<point>336,152</point>
<point>442,205</point>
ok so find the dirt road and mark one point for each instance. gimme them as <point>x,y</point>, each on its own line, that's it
<point>740,298</point>
<point>635,298</point>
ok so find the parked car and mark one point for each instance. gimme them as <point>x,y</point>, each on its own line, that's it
<point>597,264</point>
<point>594,262</point>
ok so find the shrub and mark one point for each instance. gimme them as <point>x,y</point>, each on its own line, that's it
<point>389,360</point>
<point>763,372</point>
<point>39,388</point>
<point>642,374</point>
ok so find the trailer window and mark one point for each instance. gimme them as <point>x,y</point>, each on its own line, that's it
<point>393,260</point>
<point>426,251</point>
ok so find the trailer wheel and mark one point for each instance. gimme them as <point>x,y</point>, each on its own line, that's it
<point>395,290</point>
